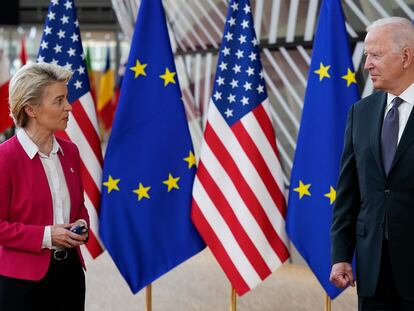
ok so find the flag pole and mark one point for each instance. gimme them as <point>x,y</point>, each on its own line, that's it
<point>233,299</point>
<point>148,297</point>
<point>327,303</point>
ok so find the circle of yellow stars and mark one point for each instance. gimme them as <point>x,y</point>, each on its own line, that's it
<point>323,72</point>
<point>304,190</point>
<point>139,70</point>
<point>143,190</point>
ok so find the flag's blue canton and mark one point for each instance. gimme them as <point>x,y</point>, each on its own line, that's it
<point>239,85</point>
<point>149,164</point>
<point>61,45</point>
<point>331,90</point>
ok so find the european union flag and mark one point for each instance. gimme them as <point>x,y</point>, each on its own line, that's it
<point>149,164</point>
<point>331,90</point>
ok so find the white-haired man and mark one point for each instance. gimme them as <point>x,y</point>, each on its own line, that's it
<point>374,210</point>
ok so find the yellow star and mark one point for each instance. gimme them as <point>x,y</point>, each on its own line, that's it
<point>142,192</point>
<point>168,77</point>
<point>331,195</point>
<point>190,159</point>
<point>302,189</point>
<point>112,184</point>
<point>139,69</point>
<point>349,77</point>
<point>171,182</point>
<point>323,71</point>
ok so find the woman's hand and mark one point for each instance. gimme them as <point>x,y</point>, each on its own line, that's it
<point>62,237</point>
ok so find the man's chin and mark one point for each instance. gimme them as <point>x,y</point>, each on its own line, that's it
<point>377,84</point>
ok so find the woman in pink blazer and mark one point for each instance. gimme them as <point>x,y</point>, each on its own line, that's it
<point>43,220</point>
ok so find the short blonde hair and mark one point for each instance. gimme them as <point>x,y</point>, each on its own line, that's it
<point>27,85</point>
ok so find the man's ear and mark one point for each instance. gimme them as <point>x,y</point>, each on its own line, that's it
<point>407,57</point>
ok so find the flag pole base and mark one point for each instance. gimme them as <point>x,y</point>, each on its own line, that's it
<point>233,300</point>
<point>148,297</point>
<point>327,303</point>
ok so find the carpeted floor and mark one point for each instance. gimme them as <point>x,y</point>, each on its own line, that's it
<point>200,284</point>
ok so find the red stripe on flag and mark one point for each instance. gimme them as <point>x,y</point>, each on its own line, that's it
<point>218,250</point>
<point>87,129</point>
<point>226,211</point>
<point>266,124</point>
<point>90,187</point>
<point>93,245</point>
<point>5,120</point>
<point>247,194</point>
<point>253,153</point>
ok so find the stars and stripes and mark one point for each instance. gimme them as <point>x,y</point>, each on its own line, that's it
<point>238,202</point>
<point>61,45</point>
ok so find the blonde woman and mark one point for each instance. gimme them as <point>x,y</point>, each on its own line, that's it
<point>41,198</point>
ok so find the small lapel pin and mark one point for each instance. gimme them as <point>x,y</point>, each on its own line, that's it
<point>72,170</point>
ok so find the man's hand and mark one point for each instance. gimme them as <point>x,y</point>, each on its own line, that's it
<point>64,238</point>
<point>341,275</point>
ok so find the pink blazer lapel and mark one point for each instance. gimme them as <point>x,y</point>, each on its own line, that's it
<point>71,181</point>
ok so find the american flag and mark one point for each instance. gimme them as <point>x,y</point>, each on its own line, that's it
<point>238,202</point>
<point>61,45</point>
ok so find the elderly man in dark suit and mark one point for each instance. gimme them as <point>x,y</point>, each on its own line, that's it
<point>374,210</point>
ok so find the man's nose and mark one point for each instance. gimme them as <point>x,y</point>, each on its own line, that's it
<point>368,63</point>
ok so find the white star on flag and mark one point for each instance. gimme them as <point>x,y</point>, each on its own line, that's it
<point>68,5</point>
<point>229,36</point>
<point>234,83</point>
<point>220,80</point>
<point>245,101</point>
<point>223,66</point>
<point>51,15</point>
<point>72,52</point>
<point>74,37</point>
<point>239,54</point>
<point>226,51</point>
<point>217,95</point>
<point>252,56</point>
<point>81,70</point>
<point>229,112</point>
<point>242,39</point>
<point>78,84</point>
<point>61,34</point>
<point>48,30</point>
<point>247,86</point>
<point>250,71</point>
<point>44,45</point>
<point>236,69</point>
<point>58,48</point>
<point>65,19</point>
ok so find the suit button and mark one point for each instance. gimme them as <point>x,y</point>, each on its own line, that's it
<point>387,191</point>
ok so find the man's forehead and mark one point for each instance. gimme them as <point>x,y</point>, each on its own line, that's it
<point>378,35</point>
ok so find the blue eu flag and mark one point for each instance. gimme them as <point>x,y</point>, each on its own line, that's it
<point>331,90</point>
<point>149,164</point>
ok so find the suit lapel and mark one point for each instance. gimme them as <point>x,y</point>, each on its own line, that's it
<point>406,140</point>
<point>68,171</point>
<point>378,107</point>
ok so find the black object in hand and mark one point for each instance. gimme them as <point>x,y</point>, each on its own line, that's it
<point>79,229</point>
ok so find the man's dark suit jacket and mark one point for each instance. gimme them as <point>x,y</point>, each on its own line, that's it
<point>365,196</point>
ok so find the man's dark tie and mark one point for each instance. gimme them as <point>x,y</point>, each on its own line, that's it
<point>389,134</point>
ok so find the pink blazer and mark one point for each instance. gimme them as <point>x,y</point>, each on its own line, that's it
<point>26,208</point>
